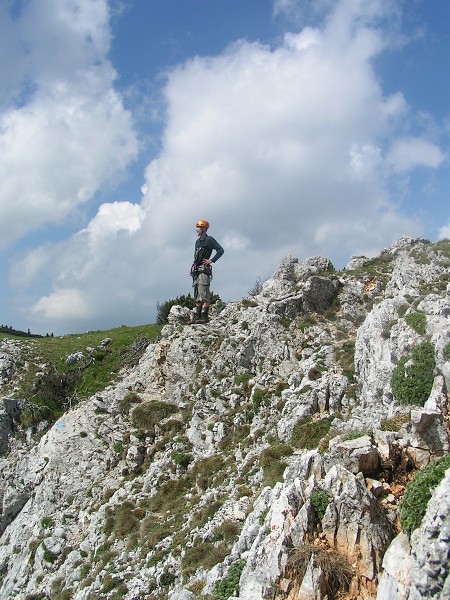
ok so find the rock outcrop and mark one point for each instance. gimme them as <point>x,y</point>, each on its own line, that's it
<point>263,455</point>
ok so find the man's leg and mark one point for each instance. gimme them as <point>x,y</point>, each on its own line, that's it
<point>197,313</point>
<point>204,317</point>
<point>202,303</point>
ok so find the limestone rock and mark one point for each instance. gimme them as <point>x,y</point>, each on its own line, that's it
<point>358,456</point>
<point>7,366</point>
<point>395,581</point>
<point>227,480</point>
<point>354,522</point>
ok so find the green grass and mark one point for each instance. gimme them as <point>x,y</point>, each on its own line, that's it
<point>48,382</point>
<point>443,246</point>
<point>272,463</point>
<point>148,414</point>
<point>307,432</point>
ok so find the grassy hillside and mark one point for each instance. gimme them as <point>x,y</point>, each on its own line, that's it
<point>50,385</point>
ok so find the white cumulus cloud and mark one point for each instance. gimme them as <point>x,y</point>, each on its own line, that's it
<point>64,132</point>
<point>285,150</point>
<point>408,153</point>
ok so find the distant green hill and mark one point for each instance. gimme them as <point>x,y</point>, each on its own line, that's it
<point>17,332</point>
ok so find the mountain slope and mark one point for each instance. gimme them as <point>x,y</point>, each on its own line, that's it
<point>262,455</point>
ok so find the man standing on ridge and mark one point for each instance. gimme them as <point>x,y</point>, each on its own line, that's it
<point>201,270</point>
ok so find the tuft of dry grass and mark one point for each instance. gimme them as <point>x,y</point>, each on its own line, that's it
<point>335,567</point>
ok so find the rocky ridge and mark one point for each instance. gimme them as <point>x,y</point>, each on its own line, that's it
<point>263,455</point>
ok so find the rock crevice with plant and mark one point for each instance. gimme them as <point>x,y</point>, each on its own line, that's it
<point>297,446</point>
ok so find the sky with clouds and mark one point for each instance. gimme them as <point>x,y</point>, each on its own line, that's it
<point>294,126</point>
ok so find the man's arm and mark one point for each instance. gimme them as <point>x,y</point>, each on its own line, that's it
<point>218,248</point>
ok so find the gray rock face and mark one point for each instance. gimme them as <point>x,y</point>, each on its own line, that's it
<point>285,449</point>
<point>7,366</point>
<point>6,430</point>
<point>358,456</point>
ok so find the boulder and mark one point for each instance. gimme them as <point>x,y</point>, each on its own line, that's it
<point>395,580</point>
<point>354,523</point>
<point>358,456</point>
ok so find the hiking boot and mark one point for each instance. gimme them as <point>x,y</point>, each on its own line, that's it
<point>197,315</point>
<point>204,318</point>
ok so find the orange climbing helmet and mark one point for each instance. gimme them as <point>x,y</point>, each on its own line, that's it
<point>202,223</point>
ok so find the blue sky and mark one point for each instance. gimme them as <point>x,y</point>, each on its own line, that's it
<point>294,126</point>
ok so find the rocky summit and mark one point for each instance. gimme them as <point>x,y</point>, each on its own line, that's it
<point>295,447</point>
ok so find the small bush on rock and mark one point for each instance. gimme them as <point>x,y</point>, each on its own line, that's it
<point>335,567</point>
<point>320,501</point>
<point>308,433</point>
<point>182,459</point>
<point>418,321</point>
<point>419,491</point>
<point>260,398</point>
<point>202,555</point>
<point>272,464</point>
<point>446,352</point>
<point>163,309</point>
<point>228,586</point>
<point>128,400</point>
<point>412,379</point>
<point>148,414</point>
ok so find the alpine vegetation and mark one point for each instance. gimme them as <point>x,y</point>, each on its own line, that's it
<point>294,446</point>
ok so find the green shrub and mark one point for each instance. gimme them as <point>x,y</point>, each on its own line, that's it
<point>128,400</point>
<point>308,433</point>
<point>446,351</point>
<point>163,309</point>
<point>259,398</point>
<point>202,555</point>
<point>272,463</point>
<point>122,520</point>
<point>147,414</point>
<point>182,459</point>
<point>418,321</point>
<point>47,522</point>
<point>419,491</point>
<point>48,555</point>
<point>412,379</point>
<point>167,579</point>
<point>320,501</point>
<point>228,586</point>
